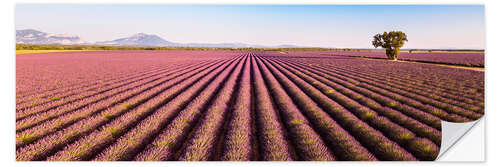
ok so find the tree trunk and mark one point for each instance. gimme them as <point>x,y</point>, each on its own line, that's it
<point>396,54</point>
<point>391,54</point>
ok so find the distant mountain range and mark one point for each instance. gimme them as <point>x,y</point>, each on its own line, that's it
<point>30,36</point>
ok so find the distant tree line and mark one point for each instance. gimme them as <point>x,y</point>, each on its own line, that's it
<point>101,47</point>
<point>95,47</point>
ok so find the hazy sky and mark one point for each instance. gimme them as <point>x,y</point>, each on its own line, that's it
<point>353,26</point>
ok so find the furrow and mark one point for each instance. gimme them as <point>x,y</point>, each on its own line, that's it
<point>165,145</point>
<point>30,135</point>
<point>54,142</point>
<point>389,129</point>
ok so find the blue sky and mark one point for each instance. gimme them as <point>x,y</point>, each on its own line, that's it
<point>343,26</point>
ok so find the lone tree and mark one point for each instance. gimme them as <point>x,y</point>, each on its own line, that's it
<point>391,41</point>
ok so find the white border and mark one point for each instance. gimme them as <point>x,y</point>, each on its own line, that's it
<point>311,2</point>
<point>468,145</point>
<point>7,85</point>
<point>451,133</point>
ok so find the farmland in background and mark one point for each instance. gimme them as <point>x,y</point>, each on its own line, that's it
<point>471,59</point>
<point>239,105</point>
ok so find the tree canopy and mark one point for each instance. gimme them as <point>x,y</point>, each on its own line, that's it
<point>391,41</point>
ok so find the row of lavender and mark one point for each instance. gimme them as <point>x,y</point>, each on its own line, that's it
<point>37,76</point>
<point>256,107</point>
<point>78,123</point>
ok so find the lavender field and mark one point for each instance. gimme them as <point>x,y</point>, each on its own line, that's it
<point>472,59</point>
<point>238,106</point>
